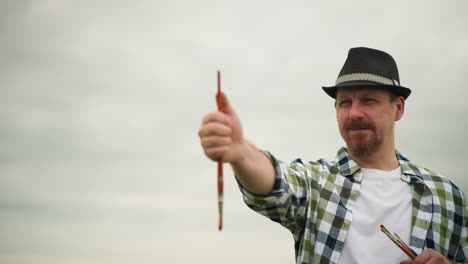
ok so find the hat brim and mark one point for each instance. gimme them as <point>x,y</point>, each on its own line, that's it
<point>400,90</point>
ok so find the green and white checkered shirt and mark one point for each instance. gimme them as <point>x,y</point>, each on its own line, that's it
<point>314,201</point>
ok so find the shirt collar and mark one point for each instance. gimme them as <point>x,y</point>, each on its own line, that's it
<point>346,165</point>
<point>411,172</point>
<point>349,167</point>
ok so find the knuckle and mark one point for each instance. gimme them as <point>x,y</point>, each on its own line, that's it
<point>206,153</point>
<point>205,143</point>
<point>207,117</point>
<point>212,154</point>
<point>214,142</point>
<point>209,153</point>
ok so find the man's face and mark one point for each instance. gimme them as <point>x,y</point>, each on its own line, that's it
<point>366,118</point>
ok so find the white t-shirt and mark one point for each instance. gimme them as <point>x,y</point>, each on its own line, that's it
<point>384,199</point>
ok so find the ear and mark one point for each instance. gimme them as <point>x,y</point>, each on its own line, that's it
<point>400,108</point>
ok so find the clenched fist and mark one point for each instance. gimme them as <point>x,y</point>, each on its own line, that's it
<point>221,134</point>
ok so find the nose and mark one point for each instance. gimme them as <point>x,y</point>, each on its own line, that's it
<point>356,111</point>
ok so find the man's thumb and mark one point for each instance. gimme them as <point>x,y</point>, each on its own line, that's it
<point>223,103</point>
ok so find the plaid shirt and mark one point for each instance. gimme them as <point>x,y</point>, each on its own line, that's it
<point>315,200</point>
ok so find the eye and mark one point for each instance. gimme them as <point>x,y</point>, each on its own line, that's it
<point>369,100</point>
<point>344,103</point>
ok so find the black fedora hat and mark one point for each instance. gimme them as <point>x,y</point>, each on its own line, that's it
<point>369,67</point>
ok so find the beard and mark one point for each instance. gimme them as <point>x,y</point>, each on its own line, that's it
<point>361,144</point>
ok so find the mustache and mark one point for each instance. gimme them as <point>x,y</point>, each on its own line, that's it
<point>357,124</point>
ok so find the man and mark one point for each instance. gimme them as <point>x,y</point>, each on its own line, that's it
<point>334,209</point>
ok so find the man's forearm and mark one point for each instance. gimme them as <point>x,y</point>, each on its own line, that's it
<point>255,171</point>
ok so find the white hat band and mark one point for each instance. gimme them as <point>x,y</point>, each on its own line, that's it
<point>365,77</point>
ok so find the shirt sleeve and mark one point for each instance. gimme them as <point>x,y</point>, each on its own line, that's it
<point>287,203</point>
<point>462,252</point>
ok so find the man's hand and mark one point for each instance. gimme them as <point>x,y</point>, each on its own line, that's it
<point>221,134</point>
<point>221,138</point>
<point>428,256</point>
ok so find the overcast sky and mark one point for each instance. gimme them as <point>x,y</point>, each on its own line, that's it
<point>101,101</point>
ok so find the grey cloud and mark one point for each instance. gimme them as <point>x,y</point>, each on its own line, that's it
<point>100,103</point>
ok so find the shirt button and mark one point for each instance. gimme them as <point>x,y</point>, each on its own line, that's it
<point>346,223</point>
<point>353,193</point>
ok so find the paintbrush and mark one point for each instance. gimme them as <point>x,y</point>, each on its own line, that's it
<point>399,242</point>
<point>220,162</point>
